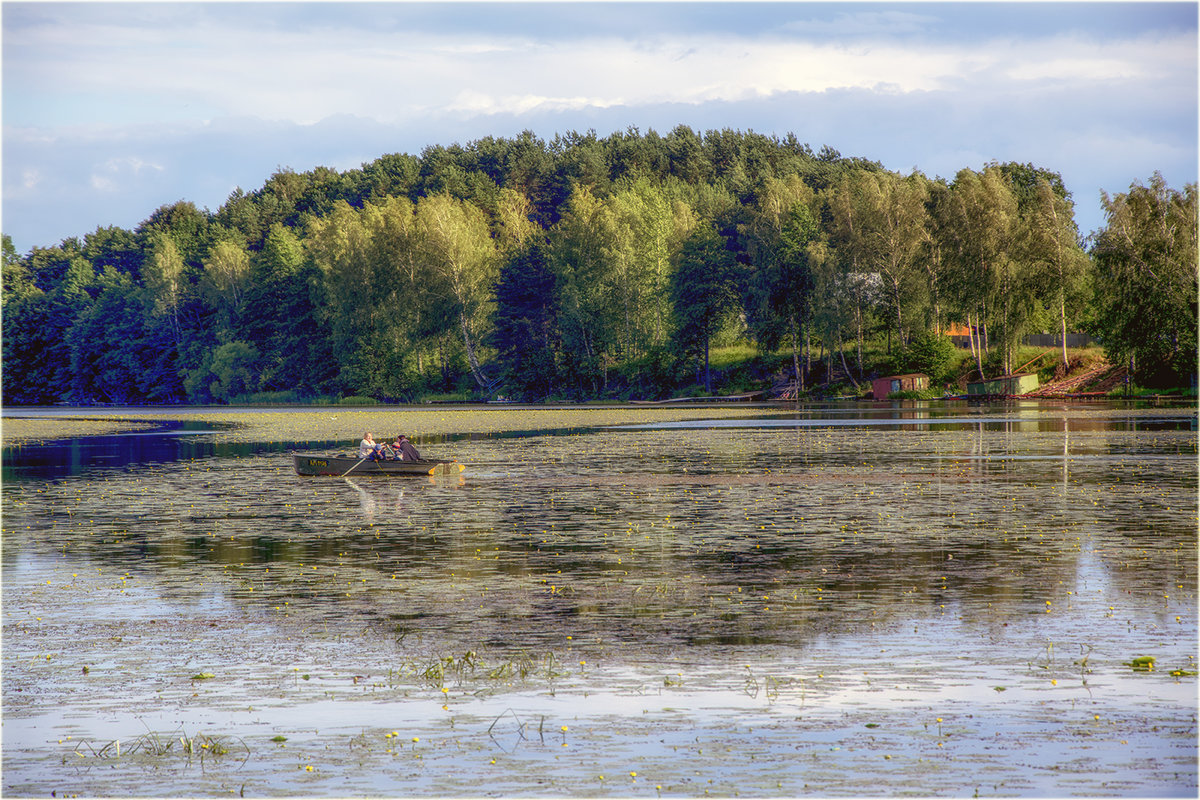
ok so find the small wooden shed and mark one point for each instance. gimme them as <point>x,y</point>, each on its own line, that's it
<point>1004,385</point>
<point>913,382</point>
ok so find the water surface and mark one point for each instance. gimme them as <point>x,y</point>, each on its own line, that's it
<point>821,604</point>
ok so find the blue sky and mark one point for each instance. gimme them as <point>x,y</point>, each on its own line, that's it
<point>111,110</point>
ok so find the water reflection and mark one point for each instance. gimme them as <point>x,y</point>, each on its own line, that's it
<point>692,603</point>
<point>774,535</point>
<point>177,441</point>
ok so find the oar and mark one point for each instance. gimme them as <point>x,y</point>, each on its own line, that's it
<point>347,472</point>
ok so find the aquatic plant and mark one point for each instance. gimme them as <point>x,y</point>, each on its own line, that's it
<point>200,747</point>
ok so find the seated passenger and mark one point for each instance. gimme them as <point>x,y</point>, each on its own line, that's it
<point>405,449</point>
<point>368,449</point>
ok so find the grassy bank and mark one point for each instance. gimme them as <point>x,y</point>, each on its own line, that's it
<point>341,424</point>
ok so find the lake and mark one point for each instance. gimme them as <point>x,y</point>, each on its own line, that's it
<point>939,600</point>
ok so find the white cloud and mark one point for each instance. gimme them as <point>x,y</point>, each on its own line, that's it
<point>123,107</point>
<point>112,175</point>
<point>201,68</point>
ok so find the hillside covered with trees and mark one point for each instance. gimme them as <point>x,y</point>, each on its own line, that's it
<point>586,268</point>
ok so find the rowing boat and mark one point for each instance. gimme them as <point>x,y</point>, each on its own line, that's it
<point>335,464</point>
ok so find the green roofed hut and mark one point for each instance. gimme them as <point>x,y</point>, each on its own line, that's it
<point>1004,386</point>
<point>913,382</point>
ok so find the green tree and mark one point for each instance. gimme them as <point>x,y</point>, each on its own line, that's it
<point>280,319</point>
<point>514,224</point>
<point>879,224</point>
<point>1048,241</point>
<point>525,329</point>
<point>689,161</point>
<point>114,247</point>
<point>646,228</point>
<point>395,301</point>
<point>983,215</point>
<point>115,357</point>
<point>235,370</point>
<point>44,293</point>
<point>704,292</point>
<point>777,242</point>
<point>187,227</point>
<point>579,163</point>
<point>164,277</point>
<point>461,255</point>
<point>338,245</point>
<point>226,274</point>
<point>1146,262</point>
<point>589,311</point>
<point>36,365</point>
<point>928,352</point>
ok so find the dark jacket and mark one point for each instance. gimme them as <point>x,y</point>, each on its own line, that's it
<point>408,452</point>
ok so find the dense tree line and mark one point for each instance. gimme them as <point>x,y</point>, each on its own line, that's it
<point>588,267</point>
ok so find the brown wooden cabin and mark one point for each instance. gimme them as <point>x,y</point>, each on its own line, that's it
<point>913,382</point>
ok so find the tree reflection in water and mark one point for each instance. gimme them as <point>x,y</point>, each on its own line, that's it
<point>935,552</point>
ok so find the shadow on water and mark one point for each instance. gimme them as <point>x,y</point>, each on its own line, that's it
<point>173,441</point>
<point>181,441</point>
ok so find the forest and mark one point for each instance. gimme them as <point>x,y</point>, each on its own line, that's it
<point>587,268</point>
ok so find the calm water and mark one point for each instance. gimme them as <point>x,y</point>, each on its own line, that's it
<point>829,603</point>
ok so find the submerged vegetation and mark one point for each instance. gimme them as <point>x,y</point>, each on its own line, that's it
<point>586,268</point>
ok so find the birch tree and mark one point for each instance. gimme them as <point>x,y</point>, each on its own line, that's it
<point>458,248</point>
<point>1049,241</point>
<point>163,277</point>
<point>1146,260</point>
<point>983,212</point>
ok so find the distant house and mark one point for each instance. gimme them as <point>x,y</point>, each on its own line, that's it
<point>1004,385</point>
<point>914,382</point>
<point>959,334</point>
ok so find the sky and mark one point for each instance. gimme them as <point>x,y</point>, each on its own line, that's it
<point>112,110</point>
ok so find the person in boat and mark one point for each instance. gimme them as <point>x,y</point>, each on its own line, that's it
<point>405,450</point>
<point>368,449</point>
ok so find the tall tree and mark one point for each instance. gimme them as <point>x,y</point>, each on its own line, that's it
<point>186,225</point>
<point>1049,242</point>
<point>587,286</point>
<point>226,273</point>
<point>526,334</point>
<point>337,244</point>
<point>1146,261</point>
<point>460,252</point>
<point>164,277</point>
<point>280,321</point>
<point>112,355</point>
<point>983,216</point>
<point>393,302</point>
<point>646,227</point>
<point>779,282</point>
<point>879,224</point>
<point>704,292</point>
<point>778,292</point>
